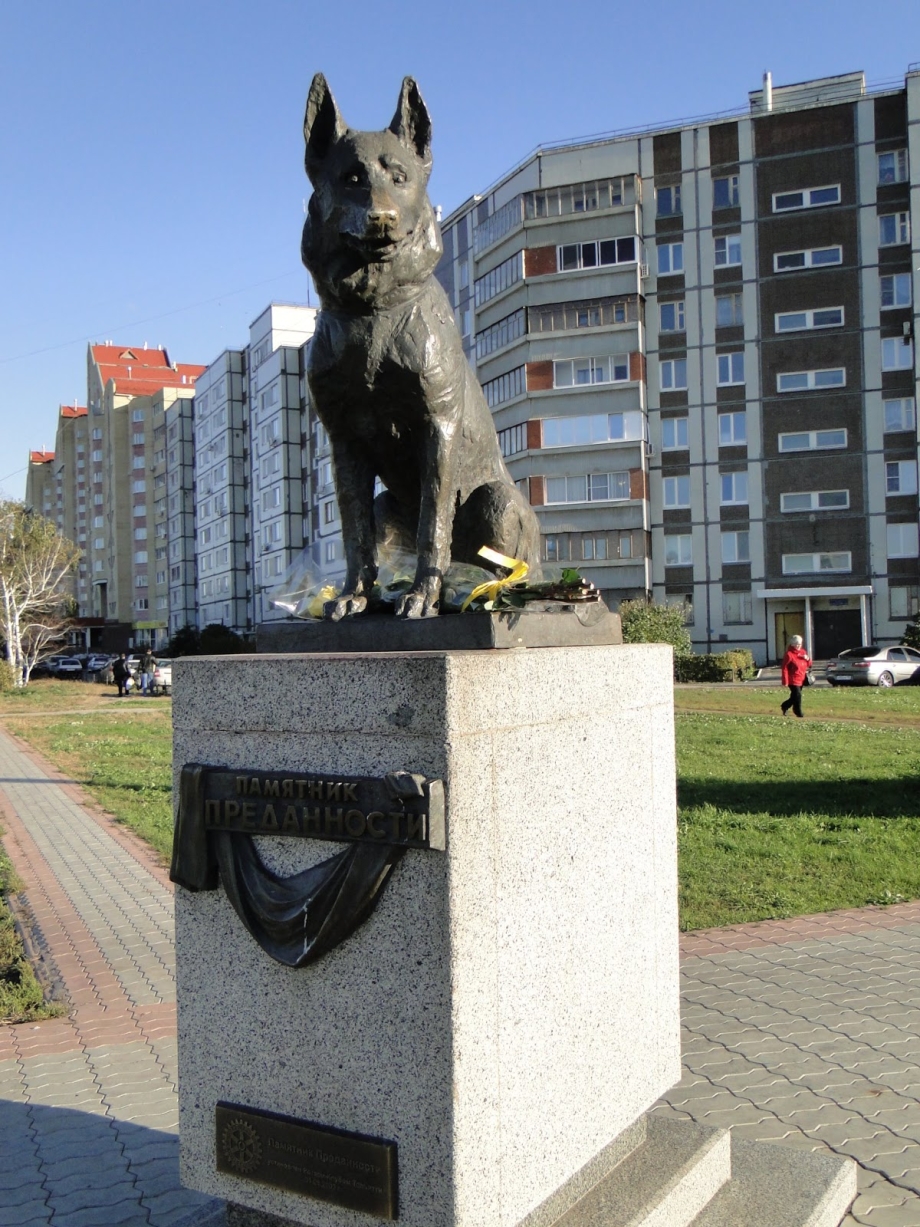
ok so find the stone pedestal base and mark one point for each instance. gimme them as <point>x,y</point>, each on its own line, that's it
<point>510,1009</point>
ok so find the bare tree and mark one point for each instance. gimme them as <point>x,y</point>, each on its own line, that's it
<point>34,606</point>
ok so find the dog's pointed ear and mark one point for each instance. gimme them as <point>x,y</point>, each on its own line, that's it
<point>322,124</point>
<point>412,123</point>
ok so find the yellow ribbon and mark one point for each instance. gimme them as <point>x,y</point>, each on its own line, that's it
<point>492,587</point>
<point>315,607</point>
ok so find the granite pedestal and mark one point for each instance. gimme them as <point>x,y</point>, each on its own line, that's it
<point>509,1010</point>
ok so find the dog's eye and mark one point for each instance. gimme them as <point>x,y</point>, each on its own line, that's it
<point>352,177</point>
<point>399,176</point>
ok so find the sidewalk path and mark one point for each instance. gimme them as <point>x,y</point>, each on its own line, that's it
<point>88,1114</point>
<point>804,1032</point>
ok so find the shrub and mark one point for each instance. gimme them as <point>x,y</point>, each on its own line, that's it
<point>646,622</point>
<point>7,677</point>
<point>731,666</point>
<point>220,640</point>
<point>911,635</point>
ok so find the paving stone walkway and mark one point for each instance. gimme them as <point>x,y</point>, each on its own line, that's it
<point>88,1115</point>
<point>804,1032</point>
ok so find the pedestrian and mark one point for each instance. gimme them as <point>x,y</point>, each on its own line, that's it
<point>796,664</point>
<point>120,674</point>
<point>146,666</point>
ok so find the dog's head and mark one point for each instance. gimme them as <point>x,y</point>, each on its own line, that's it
<point>371,238</point>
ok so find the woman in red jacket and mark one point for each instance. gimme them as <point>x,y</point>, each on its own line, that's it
<point>796,664</point>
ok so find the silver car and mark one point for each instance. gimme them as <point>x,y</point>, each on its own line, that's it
<point>874,666</point>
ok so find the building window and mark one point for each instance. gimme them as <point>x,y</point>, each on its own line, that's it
<point>682,601</point>
<point>815,500</point>
<point>900,414</point>
<point>138,462</point>
<point>892,167</point>
<point>668,200</point>
<point>808,198</point>
<point>498,279</point>
<point>142,603</point>
<point>895,290</point>
<point>98,521</point>
<point>897,354</point>
<point>737,607</point>
<point>736,547</point>
<point>728,250</point>
<point>730,368</point>
<point>670,258</point>
<point>591,428</point>
<point>804,381</point>
<point>330,551</point>
<point>271,498</point>
<point>812,440</point>
<point>904,600</point>
<point>813,564</point>
<point>513,440</point>
<point>573,256</point>
<point>901,477</point>
<point>594,549</point>
<point>902,540</point>
<point>625,545</point>
<point>140,534</point>
<point>893,228</point>
<point>97,432</point>
<point>734,488</point>
<point>98,543</point>
<point>673,374</point>
<point>725,192</point>
<point>812,257</point>
<point>674,433</point>
<point>590,488</point>
<point>137,415</point>
<point>729,310</point>
<point>502,333</point>
<point>579,372</point>
<point>798,321</point>
<point>732,429</point>
<point>556,549</point>
<point>330,513</point>
<point>575,198</point>
<point>676,491</point>
<point>678,550</point>
<point>505,387</point>
<point>593,313</point>
<point>140,581</point>
<point>671,317</point>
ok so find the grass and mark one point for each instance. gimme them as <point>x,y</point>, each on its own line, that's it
<point>49,695</point>
<point>899,706</point>
<point>21,998</point>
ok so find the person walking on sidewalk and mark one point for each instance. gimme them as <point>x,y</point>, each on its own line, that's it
<point>146,666</point>
<point>796,664</point>
<point>121,673</point>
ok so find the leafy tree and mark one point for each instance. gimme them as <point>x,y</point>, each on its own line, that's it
<point>647,622</point>
<point>34,608</point>
<point>911,635</point>
<point>220,640</point>
<point>185,642</point>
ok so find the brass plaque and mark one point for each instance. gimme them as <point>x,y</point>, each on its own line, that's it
<point>331,1165</point>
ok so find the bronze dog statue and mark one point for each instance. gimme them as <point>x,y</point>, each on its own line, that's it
<point>386,367</point>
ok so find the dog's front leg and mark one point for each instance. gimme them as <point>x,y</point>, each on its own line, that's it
<point>435,522</point>
<point>354,486</point>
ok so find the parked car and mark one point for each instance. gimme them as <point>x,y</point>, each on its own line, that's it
<point>874,666</point>
<point>67,666</point>
<point>98,662</point>
<point>162,677</point>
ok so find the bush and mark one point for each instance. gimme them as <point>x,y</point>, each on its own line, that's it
<point>7,677</point>
<point>911,636</point>
<point>185,642</point>
<point>646,622</point>
<point>731,666</point>
<point>220,640</point>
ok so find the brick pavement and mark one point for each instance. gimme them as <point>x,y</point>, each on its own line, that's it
<point>88,1112</point>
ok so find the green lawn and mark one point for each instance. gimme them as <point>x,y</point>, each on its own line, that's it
<point>899,706</point>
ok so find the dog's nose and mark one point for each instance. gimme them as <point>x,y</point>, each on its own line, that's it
<point>381,219</point>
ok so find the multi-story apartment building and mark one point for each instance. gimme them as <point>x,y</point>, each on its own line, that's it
<point>130,395</point>
<point>698,347</point>
<point>41,485</point>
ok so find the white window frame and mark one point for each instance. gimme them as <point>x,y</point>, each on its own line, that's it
<point>808,255</point>
<point>598,245</point>
<point>667,370</point>
<point>900,291</point>
<point>671,491</point>
<point>734,499</point>
<point>814,380</point>
<point>730,418</point>
<point>901,222</point>
<point>900,478</point>
<point>806,198</point>
<point>679,553</point>
<point>674,260</point>
<point>745,612</point>
<point>733,298</point>
<point>838,562</point>
<point>729,246</point>
<point>677,427</point>
<point>614,369</point>
<point>897,547</point>
<point>727,374</point>
<point>597,428</point>
<point>784,321</point>
<point>614,480</point>
<point>813,440</point>
<point>899,167</point>
<point>911,605</point>
<point>818,500</point>
<point>897,354</point>
<point>734,191</point>
<point>677,305</point>
<point>675,200</point>
<point>736,546</point>
<point>906,413</point>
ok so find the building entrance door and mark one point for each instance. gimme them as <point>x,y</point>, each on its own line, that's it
<point>835,630</point>
<point>787,625</point>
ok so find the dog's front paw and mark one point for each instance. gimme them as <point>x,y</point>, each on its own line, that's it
<point>343,606</point>
<point>419,602</point>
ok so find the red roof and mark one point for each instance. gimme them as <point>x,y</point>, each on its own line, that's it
<point>73,411</point>
<point>40,457</point>
<point>141,372</point>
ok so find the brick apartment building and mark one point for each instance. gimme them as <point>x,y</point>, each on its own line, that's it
<point>698,346</point>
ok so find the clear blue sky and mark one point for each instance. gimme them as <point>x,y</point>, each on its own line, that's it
<point>153,179</point>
